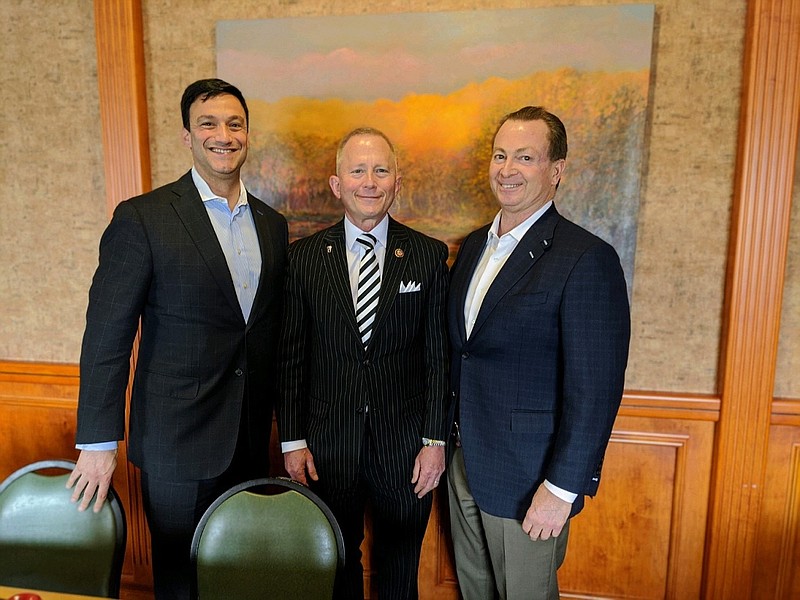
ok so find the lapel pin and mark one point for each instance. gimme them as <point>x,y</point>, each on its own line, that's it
<point>329,249</point>
<point>531,253</point>
<point>399,253</point>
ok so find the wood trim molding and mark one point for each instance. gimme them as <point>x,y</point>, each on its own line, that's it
<point>123,98</point>
<point>759,240</point>
<point>695,407</point>
<point>119,34</point>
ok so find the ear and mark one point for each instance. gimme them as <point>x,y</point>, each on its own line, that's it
<point>187,138</point>
<point>558,171</point>
<point>397,184</point>
<point>334,183</point>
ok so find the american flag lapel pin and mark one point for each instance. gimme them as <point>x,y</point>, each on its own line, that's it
<point>399,253</point>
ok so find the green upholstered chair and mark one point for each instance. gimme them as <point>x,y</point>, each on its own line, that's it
<point>46,544</point>
<point>267,538</point>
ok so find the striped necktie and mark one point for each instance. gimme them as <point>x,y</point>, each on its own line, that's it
<point>369,284</point>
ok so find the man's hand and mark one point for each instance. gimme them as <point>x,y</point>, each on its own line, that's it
<point>546,516</point>
<point>300,462</point>
<point>92,474</point>
<point>428,468</point>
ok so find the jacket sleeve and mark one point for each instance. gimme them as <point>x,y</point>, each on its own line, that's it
<point>116,300</point>
<point>595,334</point>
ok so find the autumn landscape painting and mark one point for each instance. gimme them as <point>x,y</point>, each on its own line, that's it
<point>437,84</point>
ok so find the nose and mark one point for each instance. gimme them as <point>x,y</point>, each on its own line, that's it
<point>507,168</point>
<point>224,134</point>
<point>370,180</point>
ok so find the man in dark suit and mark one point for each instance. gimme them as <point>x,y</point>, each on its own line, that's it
<point>363,377</point>
<point>201,262</point>
<point>539,325</point>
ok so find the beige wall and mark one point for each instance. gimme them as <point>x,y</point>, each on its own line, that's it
<point>52,205</point>
<point>684,217</point>
<point>787,375</point>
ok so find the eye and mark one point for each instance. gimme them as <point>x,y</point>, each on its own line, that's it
<point>235,126</point>
<point>498,156</point>
<point>525,158</point>
<point>357,171</point>
<point>382,171</point>
<point>206,124</point>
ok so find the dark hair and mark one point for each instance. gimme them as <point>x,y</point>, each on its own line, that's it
<point>209,88</point>
<point>557,133</point>
<point>363,131</point>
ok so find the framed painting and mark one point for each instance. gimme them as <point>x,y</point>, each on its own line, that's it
<point>437,83</point>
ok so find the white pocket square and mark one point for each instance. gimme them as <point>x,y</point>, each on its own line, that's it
<point>411,286</point>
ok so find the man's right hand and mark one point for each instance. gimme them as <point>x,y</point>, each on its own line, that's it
<point>298,463</point>
<point>92,475</point>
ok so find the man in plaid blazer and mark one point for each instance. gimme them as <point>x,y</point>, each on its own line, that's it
<point>539,326</point>
<point>200,262</point>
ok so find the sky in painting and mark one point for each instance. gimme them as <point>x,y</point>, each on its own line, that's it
<point>389,56</point>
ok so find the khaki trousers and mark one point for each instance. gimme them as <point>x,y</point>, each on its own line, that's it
<point>494,557</point>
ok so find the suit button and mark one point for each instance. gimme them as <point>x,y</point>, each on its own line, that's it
<point>465,355</point>
<point>366,363</point>
<point>239,372</point>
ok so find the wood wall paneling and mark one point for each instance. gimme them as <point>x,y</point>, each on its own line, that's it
<point>38,404</point>
<point>638,537</point>
<point>759,241</point>
<point>776,574</point>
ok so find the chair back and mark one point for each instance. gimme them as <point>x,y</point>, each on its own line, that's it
<point>46,544</point>
<point>251,543</point>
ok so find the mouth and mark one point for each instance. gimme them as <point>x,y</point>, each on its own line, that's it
<point>510,186</point>
<point>222,150</point>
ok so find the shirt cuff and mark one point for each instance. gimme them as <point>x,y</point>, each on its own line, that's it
<point>97,446</point>
<point>560,492</point>
<point>294,445</point>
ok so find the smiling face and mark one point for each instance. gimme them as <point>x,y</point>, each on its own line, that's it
<point>521,174</point>
<point>366,181</point>
<point>217,137</point>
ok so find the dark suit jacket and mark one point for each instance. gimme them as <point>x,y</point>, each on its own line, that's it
<point>540,379</point>
<point>327,379</point>
<point>160,261</point>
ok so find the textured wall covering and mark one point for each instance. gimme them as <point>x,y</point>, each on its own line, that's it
<point>787,375</point>
<point>684,216</point>
<point>52,204</point>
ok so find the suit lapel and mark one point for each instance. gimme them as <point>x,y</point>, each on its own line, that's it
<point>395,260</point>
<point>190,210</point>
<point>468,257</point>
<point>267,258</point>
<point>533,245</point>
<point>334,260</point>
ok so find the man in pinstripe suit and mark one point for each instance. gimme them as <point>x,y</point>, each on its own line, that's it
<point>362,409</point>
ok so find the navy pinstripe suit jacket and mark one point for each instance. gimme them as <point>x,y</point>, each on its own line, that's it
<point>540,379</point>
<point>327,379</point>
<point>160,261</point>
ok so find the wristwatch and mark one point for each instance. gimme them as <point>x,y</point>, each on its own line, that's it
<point>430,442</point>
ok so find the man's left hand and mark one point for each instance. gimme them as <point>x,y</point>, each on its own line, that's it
<point>428,468</point>
<point>546,516</point>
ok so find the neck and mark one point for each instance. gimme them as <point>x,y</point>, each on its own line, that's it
<point>228,189</point>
